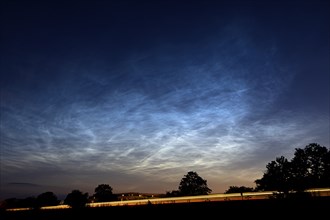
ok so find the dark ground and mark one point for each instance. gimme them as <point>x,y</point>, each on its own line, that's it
<point>315,208</point>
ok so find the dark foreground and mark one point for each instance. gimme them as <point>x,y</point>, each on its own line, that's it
<point>315,208</point>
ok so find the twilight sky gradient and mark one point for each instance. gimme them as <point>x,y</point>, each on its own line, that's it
<point>135,94</point>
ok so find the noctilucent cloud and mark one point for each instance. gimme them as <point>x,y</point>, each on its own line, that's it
<point>135,94</point>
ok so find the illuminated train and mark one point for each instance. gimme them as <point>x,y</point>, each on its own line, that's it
<point>187,199</point>
<point>204,198</point>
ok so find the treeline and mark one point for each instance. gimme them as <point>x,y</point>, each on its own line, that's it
<point>309,168</point>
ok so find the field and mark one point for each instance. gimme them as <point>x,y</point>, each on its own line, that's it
<point>312,208</point>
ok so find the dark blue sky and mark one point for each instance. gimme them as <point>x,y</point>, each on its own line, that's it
<point>135,94</point>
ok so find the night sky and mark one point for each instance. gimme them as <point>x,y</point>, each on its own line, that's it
<point>135,94</point>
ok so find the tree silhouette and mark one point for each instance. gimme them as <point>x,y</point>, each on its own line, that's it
<point>103,193</point>
<point>76,199</point>
<point>28,202</point>
<point>173,193</point>
<point>239,189</point>
<point>192,184</point>
<point>276,177</point>
<point>309,168</point>
<point>46,199</point>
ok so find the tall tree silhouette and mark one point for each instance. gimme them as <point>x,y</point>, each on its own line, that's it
<point>276,177</point>
<point>309,168</point>
<point>192,184</point>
